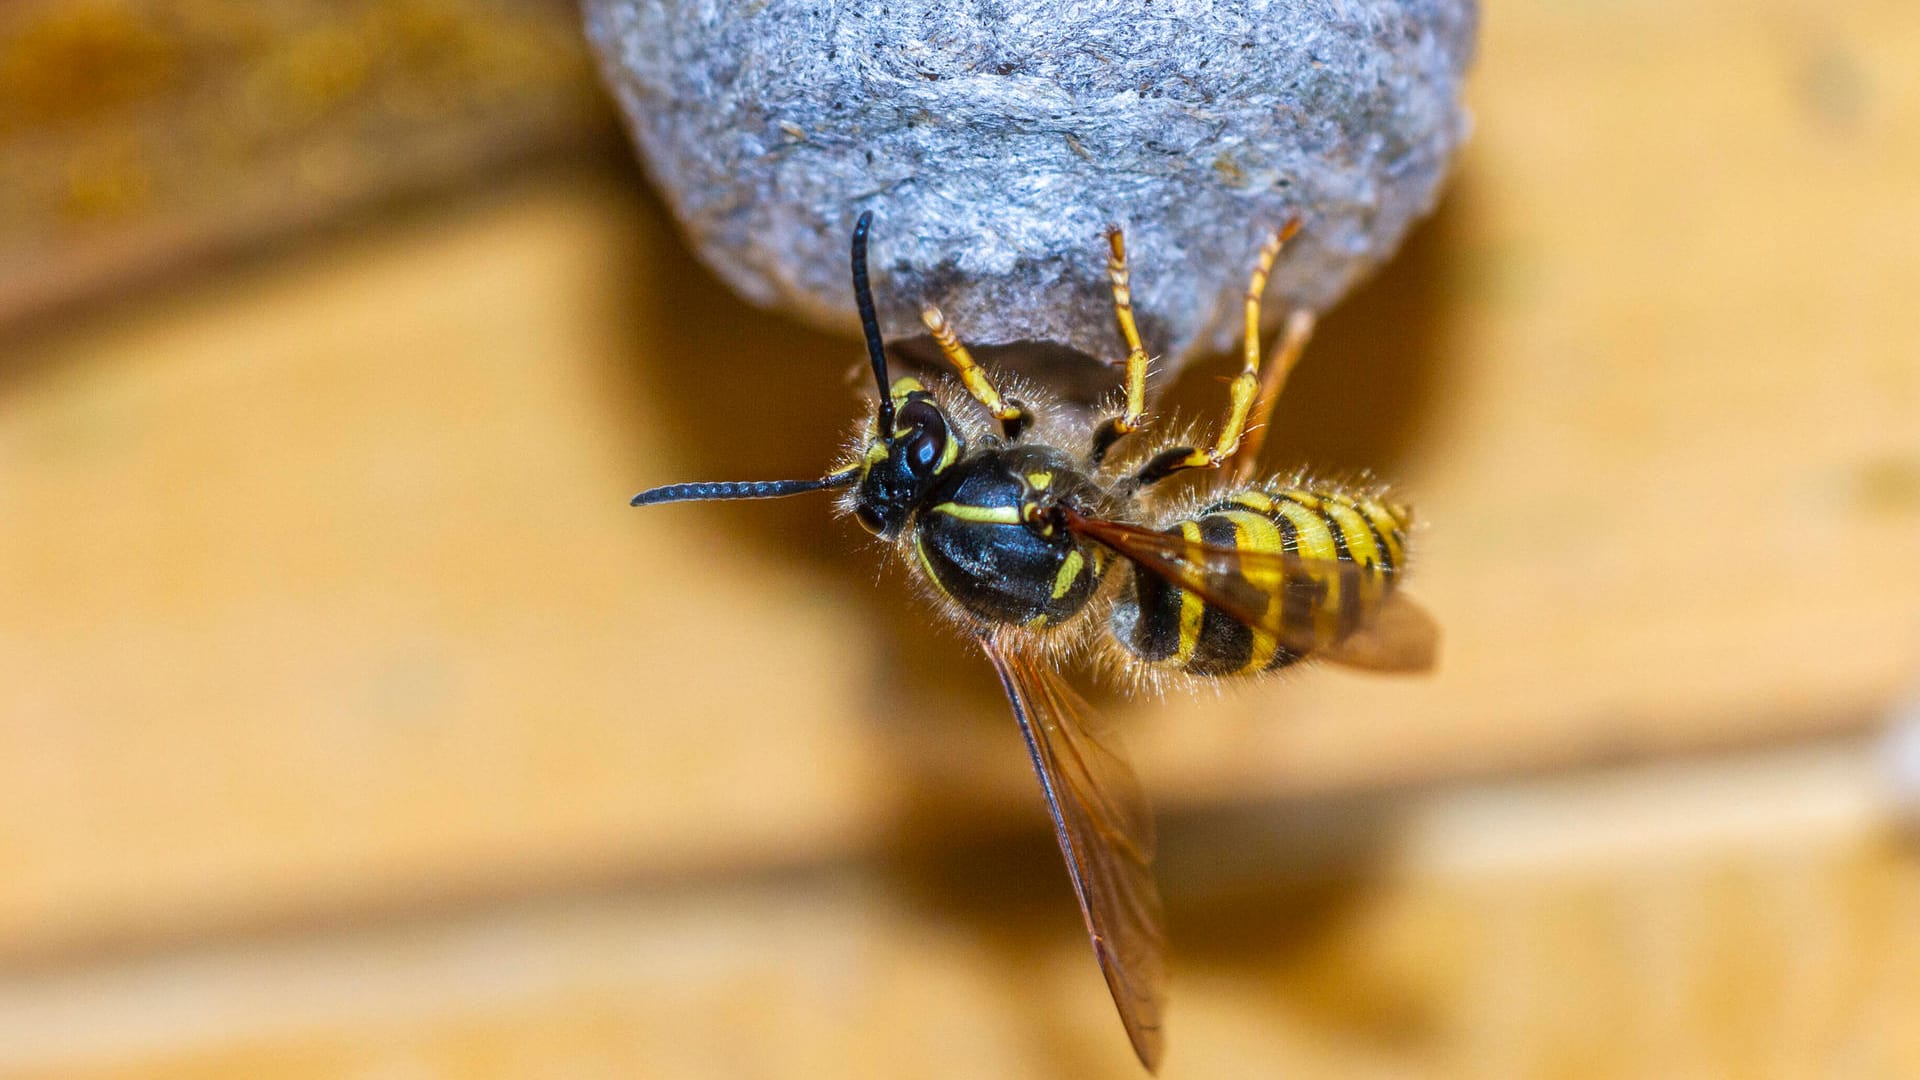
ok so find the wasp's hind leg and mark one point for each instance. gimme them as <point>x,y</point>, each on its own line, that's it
<point>1280,363</point>
<point>1244,387</point>
<point>1013,417</point>
<point>1134,416</point>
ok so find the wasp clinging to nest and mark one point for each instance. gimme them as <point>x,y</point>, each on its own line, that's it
<point>1029,535</point>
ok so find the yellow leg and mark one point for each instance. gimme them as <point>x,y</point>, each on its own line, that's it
<point>1280,363</point>
<point>1134,413</point>
<point>1136,408</point>
<point>1241,392</point>
<point>1013,418</point>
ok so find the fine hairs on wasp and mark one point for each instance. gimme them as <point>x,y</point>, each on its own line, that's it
<point>1048,542</point>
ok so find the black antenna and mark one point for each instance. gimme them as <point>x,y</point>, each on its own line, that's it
<point>744,489</point>
<point>870,323</point>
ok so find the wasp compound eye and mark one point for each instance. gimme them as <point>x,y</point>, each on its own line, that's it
<point>923,437</point>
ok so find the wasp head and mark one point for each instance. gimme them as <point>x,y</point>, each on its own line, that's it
<point>900,465</point>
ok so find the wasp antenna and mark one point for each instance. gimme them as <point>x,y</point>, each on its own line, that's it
<point>743,489</point>
<point>870,321</point>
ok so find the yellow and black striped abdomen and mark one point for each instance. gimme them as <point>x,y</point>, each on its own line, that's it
<point>1169,626</point>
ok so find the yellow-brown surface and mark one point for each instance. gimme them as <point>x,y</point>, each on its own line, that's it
<point>140,135</point>
<point>350,724</point>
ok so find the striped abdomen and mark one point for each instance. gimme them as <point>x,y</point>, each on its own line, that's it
<point>1165,625</point>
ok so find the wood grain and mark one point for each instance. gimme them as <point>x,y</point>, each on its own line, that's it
<point>138,137</point>
<point>1642,924</point>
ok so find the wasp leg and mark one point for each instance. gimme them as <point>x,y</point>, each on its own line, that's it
<point>1014,417</point>
<point>1135,415</point>
<point>1241,391</point>
<point>1280,362</point>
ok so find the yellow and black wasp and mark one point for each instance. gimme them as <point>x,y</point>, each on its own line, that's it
<point>1040,551</point>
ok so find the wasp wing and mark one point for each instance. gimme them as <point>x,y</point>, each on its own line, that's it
<point>1348,612</point>
<point>1397,635</point>
<point>1105,830</point>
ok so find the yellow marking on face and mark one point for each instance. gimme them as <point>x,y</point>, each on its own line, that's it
<point>997,515</point>
<point>1192,610</point>
<point>876,453</point>
<point>947,453</point>
<point>902,388</point>
<point>1070,568</point>
<point>1040,480</point>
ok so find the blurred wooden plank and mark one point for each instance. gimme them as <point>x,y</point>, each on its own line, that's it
<point>323,590</point>
<point>1744,918</point>
<point>138,135</point>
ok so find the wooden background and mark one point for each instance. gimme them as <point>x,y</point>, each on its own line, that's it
<point>351,725</point>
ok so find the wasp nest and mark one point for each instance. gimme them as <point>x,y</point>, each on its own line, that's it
<point>996,140</point>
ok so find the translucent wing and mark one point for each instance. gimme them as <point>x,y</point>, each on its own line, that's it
<point>1348,612</point>
<point>1397,636</point>
<point>1105,831</point>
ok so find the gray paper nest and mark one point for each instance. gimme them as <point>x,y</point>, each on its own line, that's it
<point>996,142</point>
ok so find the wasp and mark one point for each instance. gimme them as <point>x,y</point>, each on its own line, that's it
<point>1042,543</point>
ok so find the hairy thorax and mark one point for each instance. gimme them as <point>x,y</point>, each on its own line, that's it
<point>988,537</point>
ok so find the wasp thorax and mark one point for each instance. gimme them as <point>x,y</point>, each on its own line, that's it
<point>990,536</point>
<point>899,467</point>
